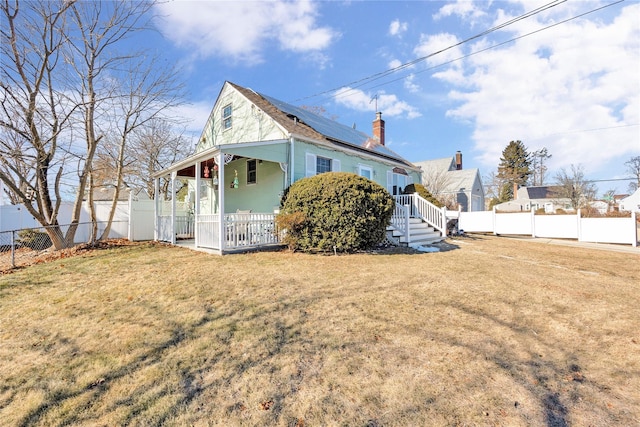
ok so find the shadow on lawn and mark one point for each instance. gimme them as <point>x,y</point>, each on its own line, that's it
<point>184,391</point>
<point>102,385</point>
<point>554,379</point>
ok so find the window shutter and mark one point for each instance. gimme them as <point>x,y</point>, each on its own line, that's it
<point>310,167</point>
<point>390,182</point>
<point>335,165</point>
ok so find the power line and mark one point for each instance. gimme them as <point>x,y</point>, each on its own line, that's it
<point>361,82</point>
<point>382,74</point>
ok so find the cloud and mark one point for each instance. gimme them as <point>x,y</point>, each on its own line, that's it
<point>395,63</point>
<point>388,104</point>
<point>468,10</point>
<point>241,31</point>
<point>434,43</point>
<point>396,28</point>
<point>410,85</point>
<point>573,89</point>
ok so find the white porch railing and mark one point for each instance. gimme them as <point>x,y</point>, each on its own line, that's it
<point>185,226</point>
<point>400,219</point>
<point>425,210</point>
<point>164,228</point>
<point>240,230</point>
<point>208,230</point>
<point>250,229</point>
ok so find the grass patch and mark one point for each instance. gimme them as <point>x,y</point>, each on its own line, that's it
<point>498,332</point>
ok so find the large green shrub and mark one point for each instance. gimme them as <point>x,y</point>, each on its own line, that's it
<point>336,210</point>
<point>422,192</point>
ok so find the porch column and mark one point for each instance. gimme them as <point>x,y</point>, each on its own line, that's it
<point>221,187</point>
<point>173,207</point>
<point>156,207</point>
<point>196,210</point>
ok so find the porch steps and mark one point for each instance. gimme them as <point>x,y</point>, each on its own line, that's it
<point>420,233</point>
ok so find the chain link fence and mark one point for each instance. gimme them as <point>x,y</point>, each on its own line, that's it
<point>22,247</point>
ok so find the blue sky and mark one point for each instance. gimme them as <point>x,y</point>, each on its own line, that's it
<point>573,88</point>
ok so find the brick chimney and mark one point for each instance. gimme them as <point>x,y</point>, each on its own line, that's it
<point>458,161</point>
<point>378,128</point>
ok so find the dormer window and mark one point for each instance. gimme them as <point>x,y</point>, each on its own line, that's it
<point>226,117</point>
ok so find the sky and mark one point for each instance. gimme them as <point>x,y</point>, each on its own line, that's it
<point>446,75</point>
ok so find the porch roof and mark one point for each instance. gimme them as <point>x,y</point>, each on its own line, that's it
<point>273,151</point>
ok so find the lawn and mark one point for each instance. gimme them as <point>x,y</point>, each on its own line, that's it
<point>498,332</point>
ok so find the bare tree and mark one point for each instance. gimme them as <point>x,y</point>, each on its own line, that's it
<point>575,187</point>
<point>156,146</point>
<point>60,62</point>
<point>538,167</point>
<point>148,92</point>
<point>633,167</point>
<point>437,182</point>
<point>35,109</point>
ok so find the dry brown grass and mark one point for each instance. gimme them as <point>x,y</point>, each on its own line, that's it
<point>497,332</point>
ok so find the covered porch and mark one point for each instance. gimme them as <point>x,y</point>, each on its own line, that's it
<point>224,198</point>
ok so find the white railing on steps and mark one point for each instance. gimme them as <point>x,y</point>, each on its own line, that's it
<point>417,207</point>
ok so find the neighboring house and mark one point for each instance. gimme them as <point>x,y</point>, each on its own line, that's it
<point>252,148</point>
<point>447,180</point>
<point>601,206</point>
<point>535,198</point>
<point>630,203</point>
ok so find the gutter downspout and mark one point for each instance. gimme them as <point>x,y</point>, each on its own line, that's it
<point>291,161</point>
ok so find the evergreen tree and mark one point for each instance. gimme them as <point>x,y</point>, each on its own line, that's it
<point>514,168</point>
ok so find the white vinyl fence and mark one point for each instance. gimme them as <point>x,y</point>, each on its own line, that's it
<point>133,219</point>
<point>595,230</point>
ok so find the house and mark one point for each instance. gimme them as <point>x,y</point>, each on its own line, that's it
<point>252,148</point>
<point>536,197</point>
<point>449,182</point>
<point>600,206</point>
<point>630,203</point>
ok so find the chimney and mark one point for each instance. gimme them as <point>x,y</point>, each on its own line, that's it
<point>458,161</point>
<point>378,128</point>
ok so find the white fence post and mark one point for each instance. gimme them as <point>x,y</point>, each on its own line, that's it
<point>533,223</point>
<point>634,223</point>
<point>579,219</point>
<point>493,217</point>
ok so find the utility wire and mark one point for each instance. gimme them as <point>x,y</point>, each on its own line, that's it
<point>361,82</point>
<point>381,74</point>
<point>345,93</point>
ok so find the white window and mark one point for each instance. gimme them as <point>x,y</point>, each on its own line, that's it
<point>226,117</point>
<point>252,171</point>
<point>318,164</point>
<point>365,171</point>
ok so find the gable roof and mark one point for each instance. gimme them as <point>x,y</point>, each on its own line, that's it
<point>300,122</point>
<point>454,180</point>
<point>539,192</point>
<point>458,180</point>
<point>437,165</point>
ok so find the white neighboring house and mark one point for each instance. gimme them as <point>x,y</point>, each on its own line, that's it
<point>535,198</point>
<point>445,178</point>
<point>600,205</point>
<point>631,203</point>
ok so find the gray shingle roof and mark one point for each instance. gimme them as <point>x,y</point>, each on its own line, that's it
<point>302,122</point>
